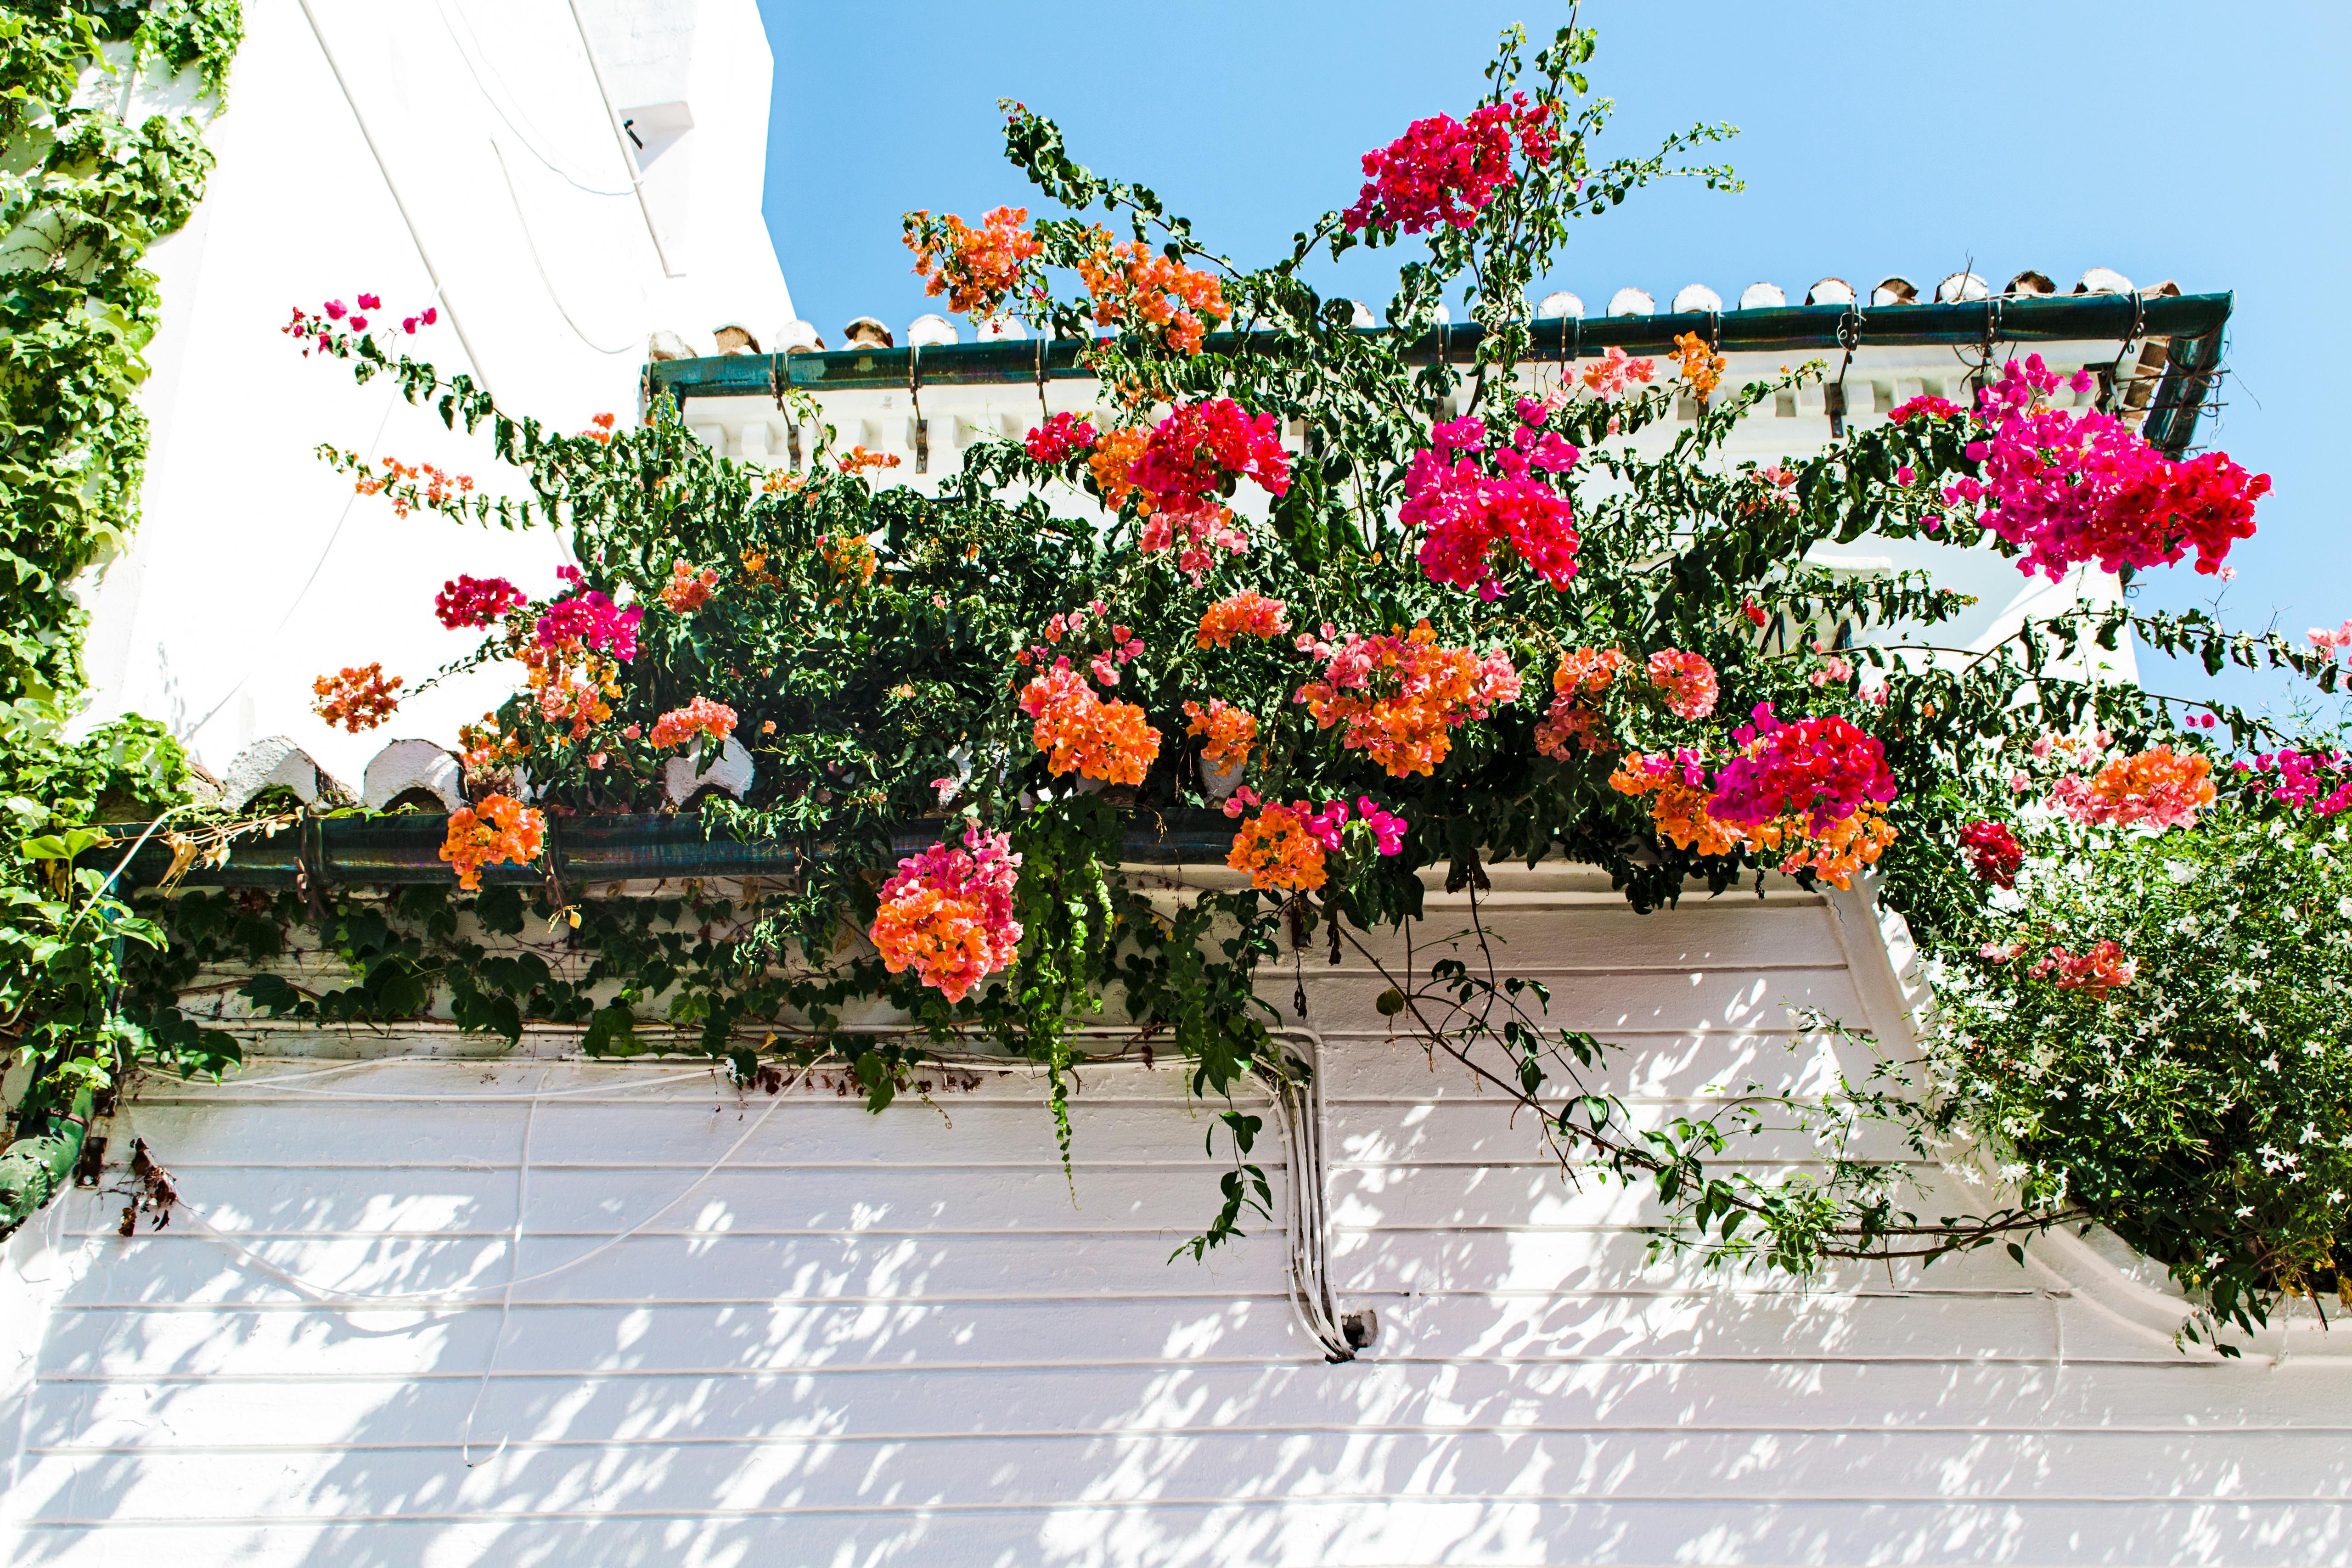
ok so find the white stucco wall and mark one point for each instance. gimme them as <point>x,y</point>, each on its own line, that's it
<point>841,1339</point>
<point>254,568</point>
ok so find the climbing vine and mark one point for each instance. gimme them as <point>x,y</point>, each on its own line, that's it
<point>86,186</point>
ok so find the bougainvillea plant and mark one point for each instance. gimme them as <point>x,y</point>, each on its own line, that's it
<point>1391,617</point>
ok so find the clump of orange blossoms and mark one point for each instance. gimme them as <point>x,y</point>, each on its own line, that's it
<point>400,480</point>
<point>687,589</point>
<point>1844,846</point>
<point>1679,790</point>
<point>358,696</point>
<point>573,685</point>
<point>496,830</point>
<point>1245,615</point>
<point>976,269</point>
<point>2159,786</point>
<point>1112,463</point>
<point>600,429</point>
<point>1230,732</point>
<point>948,914</point>
<point>1701,367</point>
<point>1279,851</point>
<point>1583,673</point>
<point>1136,286</point>
<point>859,460</point>
<point>1080,732</point>
<point>700,718</point>
<point>1399,698</point>
<point>849,557</point>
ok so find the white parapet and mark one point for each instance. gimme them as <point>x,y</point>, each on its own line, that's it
<point>408,765</point>
<point>683,778</point>
<point>275,762</point>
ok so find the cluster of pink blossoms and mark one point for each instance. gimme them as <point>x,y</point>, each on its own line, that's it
<point>1443,171</point>
<point>1194,458</point>
<point>1059,439</point>
<point>697,718</point>
<point>592,618</point>
<point>948,914</point>
<point>335,318</point>
<point>1474,514</point>
<point>466,601</point>
<point>2304,778</point>
<point>2077,487</point>
<point>1823,770</point>
<point>2095,973</point>
<point>1686,679</point>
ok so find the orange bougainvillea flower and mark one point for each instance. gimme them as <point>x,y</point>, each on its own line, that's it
<point>2159,786</point>
<point>1080,732</point>
<point>1138,287</point>
<point>849,557</point>
<point>1842,848</point>
<point>1398,697</point>
<point>977,269</point>
<point>1245,615</point>
<point>495,830</point>
<point>700,718</point>
<point>1701,367</point>
<point>1688,680</point>
<point>1230,732</point>
<point>358,696</point>
<point>859,460</point>
<point>1112,463</point>
<point>1679,790</point>
<point>687,589</point>
<point>1278,851</point>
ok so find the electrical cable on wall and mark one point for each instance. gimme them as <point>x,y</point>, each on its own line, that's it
<point>529,146</point>
<point>523,222</point>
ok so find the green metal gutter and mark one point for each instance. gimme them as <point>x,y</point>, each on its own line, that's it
<point>2023,320</point>
<point>586,851</point>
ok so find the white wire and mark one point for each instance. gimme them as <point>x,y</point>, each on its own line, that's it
<point>330,1296</point>
<point>491,98</point>
<point>547,283</point>
<point>506,1301</point>
<point>247,1086</point>
<point>391,397</point>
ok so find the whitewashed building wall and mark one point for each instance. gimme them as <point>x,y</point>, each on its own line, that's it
<point>428,1310</point>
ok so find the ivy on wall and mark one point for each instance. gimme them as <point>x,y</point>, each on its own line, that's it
<point>85,189</point>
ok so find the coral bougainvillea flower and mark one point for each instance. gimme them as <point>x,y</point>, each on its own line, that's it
<point>495,830</point>
<point>1676,786</point>
<point>948,914</point>
<point>1686,679</point>
<point>977,269</point>
<point>1245,615</point>
<point>357,696</point>
<point>687,589</point>
<point>1230,732</point>
<point>1081,733</point>
<point>697,718</point>
<point>1279,851</point>
<point>1398,697</point>
<point>2160,786</point>
<point>1144,290</point>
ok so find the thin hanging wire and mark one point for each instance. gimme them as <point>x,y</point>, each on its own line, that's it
<point>523,222</point>
<point>490,98</point>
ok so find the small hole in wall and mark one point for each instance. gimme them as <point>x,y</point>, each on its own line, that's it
<point>1361,1327</point>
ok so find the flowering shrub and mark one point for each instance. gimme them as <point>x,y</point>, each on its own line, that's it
<point>948,914</point>
<point>358,696</point>
<point>493,831</point>
<point>902,653</point>
<point>1398,697</point>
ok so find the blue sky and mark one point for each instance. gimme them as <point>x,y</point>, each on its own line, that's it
<point>2195,142</point>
